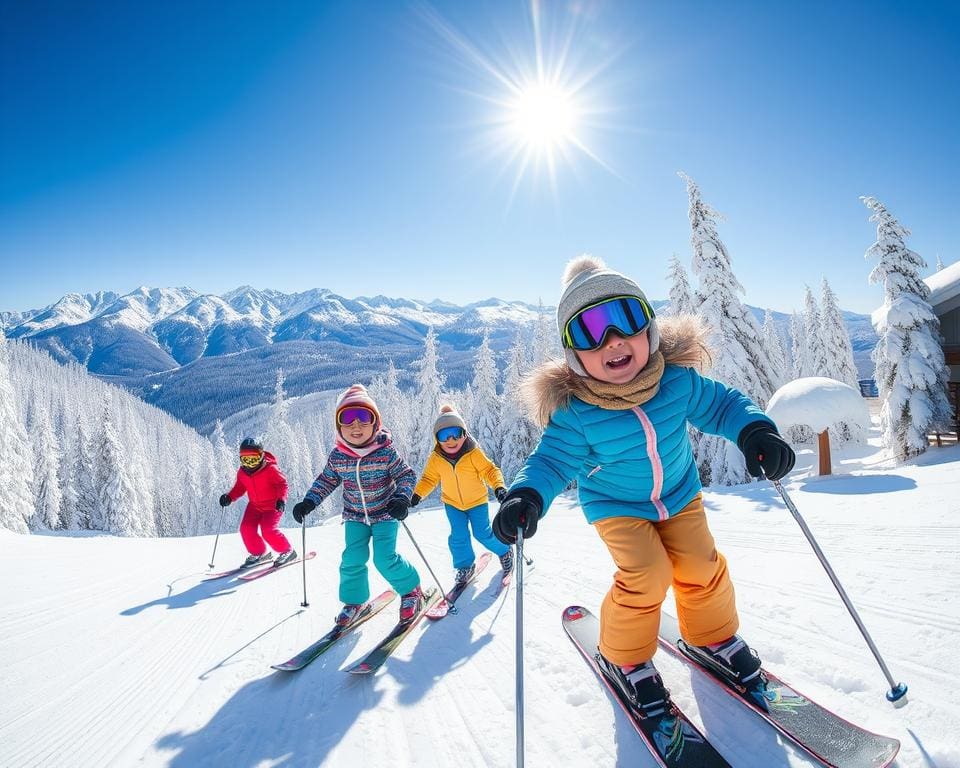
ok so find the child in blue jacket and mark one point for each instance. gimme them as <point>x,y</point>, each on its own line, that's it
<point>616,412</point>
<point>377,485</point>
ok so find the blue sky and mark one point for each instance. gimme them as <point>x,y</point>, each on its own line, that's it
<point>348,145</point>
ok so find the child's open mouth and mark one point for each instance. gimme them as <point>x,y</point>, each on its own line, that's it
<point>619,362</point>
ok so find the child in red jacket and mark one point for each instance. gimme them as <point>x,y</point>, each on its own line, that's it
<point>266,488</point>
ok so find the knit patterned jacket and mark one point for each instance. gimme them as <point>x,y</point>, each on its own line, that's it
<point>370,475</point>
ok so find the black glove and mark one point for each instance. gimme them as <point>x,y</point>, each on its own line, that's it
<point>765,451</point>
<point>414,500</point>
<point>225,501</point>
<point>397,507</point>
<point>500,493</point>
<point>280,505</point>
<point>303,508</point>
<point>520,508</point>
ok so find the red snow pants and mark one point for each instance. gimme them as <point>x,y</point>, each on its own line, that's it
<point>266,522</point>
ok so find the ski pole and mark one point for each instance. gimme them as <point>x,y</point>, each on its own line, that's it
<point>217,539</point>
<point>453,608</point>
<point>519,663</point>
<point>303,548</point>
<point>898,691</point>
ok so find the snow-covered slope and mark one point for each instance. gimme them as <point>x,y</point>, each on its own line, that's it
<point>115,653</point>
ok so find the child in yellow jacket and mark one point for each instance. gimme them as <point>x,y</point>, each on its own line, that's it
<point>463,472</point>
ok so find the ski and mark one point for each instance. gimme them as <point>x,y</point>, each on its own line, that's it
<point>375,659</point>
<point>442,606</point>
<point>673,741</point>
<point>265,571</point>
<point>238,569</point>
<point>816,730</point>
<point>312,652</point>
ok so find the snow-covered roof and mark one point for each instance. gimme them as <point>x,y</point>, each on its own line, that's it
<point>817,402</point>
<point>944,285</point>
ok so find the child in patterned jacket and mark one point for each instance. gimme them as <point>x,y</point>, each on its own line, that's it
<point>615,413</point>
<point>377,485</point>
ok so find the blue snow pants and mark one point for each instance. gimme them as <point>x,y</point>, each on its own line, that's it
<point>478,519</point>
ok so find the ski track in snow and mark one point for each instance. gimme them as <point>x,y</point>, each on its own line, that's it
<point>115,653</point>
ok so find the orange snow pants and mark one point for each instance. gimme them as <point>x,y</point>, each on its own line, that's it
<point>650,557</point>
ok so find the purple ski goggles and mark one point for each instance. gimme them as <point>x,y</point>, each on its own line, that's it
<point>625,315</point>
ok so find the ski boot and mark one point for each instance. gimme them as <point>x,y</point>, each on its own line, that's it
<point>253,560</point>
<point>739,664</point>
<point>640,684</point>
<point>506,561</point>
<point>465,574</point>
<point>285,557</point>
<point>348,614</point>
<point>411,604</point>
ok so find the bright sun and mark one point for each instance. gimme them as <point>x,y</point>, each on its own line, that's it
<point>543,111</point>
<point>543,117</point>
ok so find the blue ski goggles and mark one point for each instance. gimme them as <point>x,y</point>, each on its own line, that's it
<point>449,433</point>
<point>588,329</point>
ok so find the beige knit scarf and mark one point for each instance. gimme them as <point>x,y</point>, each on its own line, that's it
<point>620,397</point>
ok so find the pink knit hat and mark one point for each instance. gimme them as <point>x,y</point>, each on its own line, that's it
<point>353,396</point>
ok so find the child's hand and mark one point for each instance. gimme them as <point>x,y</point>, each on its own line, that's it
<point>521,509</point>
<point>225,500</point>
<point>280,505</point>
<point>397,507</point>
<point>765,451</point>
<point>500,493</point>
<point>303,508</point>
<point>414,500</point>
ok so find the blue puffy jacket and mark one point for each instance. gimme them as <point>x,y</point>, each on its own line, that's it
<point>636,462</point>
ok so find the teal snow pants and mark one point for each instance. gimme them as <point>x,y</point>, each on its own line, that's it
<point>354,583</point>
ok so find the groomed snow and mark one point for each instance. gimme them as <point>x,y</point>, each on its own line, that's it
<point>115,653</point>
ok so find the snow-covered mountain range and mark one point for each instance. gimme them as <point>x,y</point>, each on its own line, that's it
<point>158,329</point>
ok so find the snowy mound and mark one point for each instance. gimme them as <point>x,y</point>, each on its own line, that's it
<point>818,403</point>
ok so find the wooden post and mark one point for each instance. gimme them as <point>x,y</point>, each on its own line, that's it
<point>823,440</point>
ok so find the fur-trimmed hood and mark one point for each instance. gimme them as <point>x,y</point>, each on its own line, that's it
<point>683,342</point>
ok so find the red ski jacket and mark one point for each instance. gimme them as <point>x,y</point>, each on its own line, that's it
<point>264,486</point>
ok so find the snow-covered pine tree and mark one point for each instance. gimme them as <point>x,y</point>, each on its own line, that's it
<point>735,341</point>
<point>836,340</point>
<point>224,463</point>
<point>798,345</point>
<point>426,403</point>
<point>546,341</point>
<point>16,469</point>
<point>394,409</point>
<point>910,369</point>
<point>774,345</point>
<point>815,362</point>
<point>487,404</point>
<point>520,435</point>
<point>46,470</point>
<point>681,299</point>
<point>116,492</point>
<point>84,474</point>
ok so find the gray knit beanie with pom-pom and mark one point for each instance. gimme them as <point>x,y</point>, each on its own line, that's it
<point>587,280</point>
<point>448,418</point>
